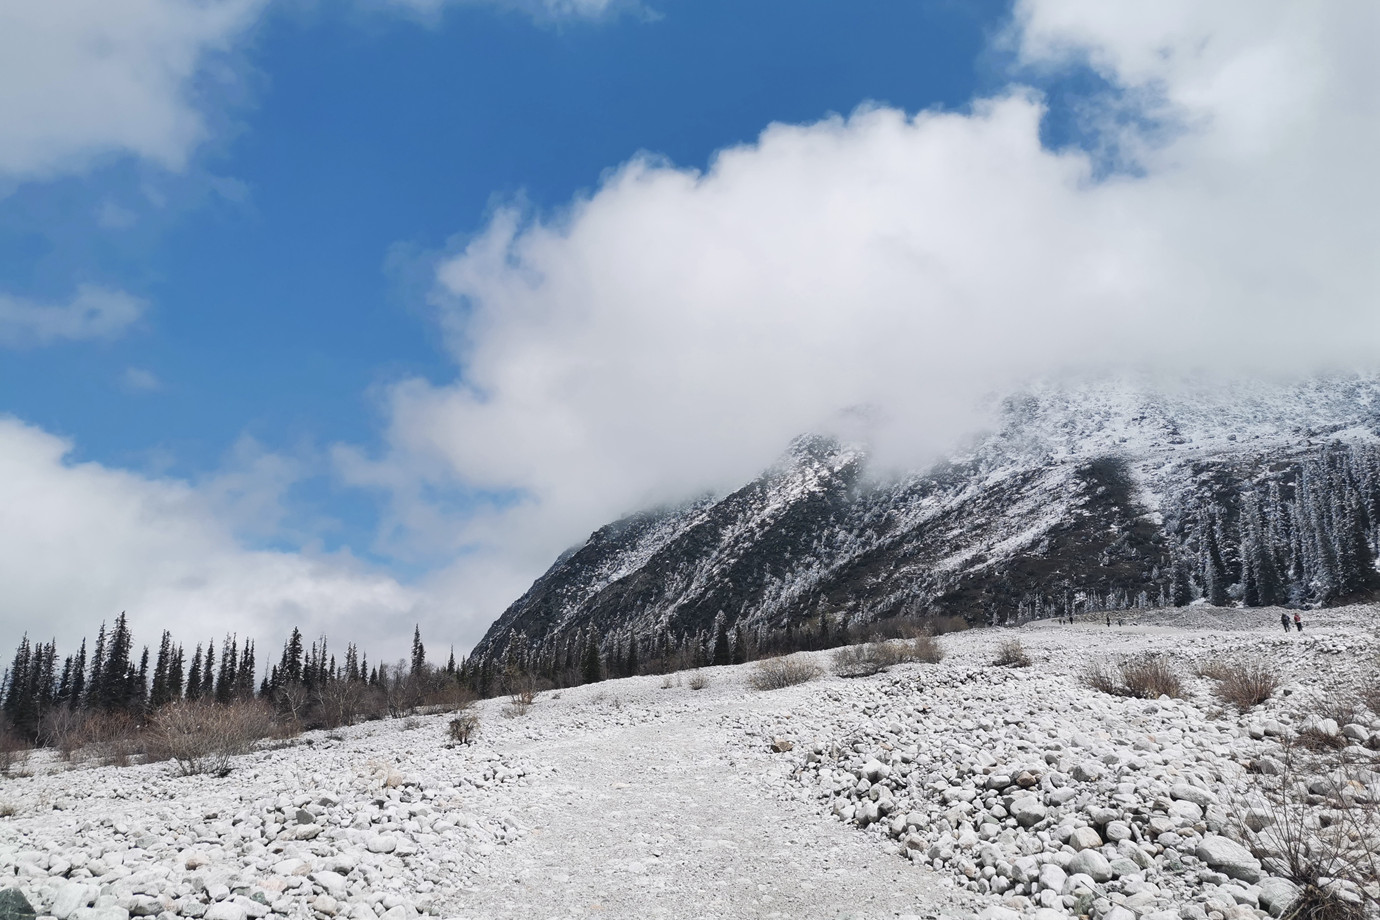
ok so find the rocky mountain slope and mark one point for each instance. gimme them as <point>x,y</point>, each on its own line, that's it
<point>1088,497</point>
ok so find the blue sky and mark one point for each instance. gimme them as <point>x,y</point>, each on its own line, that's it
<point>286,268</point>
<point>354,314</point>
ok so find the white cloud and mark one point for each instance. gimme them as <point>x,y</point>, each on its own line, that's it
<point>675,329</point>
<point>83,542</point>
<point>140,380</point>
<point>538,9</point>
<point>93,313</point>
<point>84,78</point>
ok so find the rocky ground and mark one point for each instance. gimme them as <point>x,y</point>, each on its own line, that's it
<point>953,789</point>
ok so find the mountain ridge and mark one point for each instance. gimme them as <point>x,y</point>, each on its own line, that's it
<point>1079,497</point>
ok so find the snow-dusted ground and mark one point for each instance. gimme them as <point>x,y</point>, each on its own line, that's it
<point>627,799</point>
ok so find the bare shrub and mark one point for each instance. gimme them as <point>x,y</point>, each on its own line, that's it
<point>941,625</point>
<point>201,737</point>
<point>1313,738</point>
<point>522,693</point>
<point>1149,677</point>
<point>7,810</point>
<point>451,695</point>
<point>14,752</point>
<point>464,727</point>
<point>776,673</point>
<point>666,681</point>
<point>1340,708</point>
<point>698,680</point>
<point>862,660</point>
<point>1370,693</point>
<point>114,738</point>
<point>926,649</point>
<point>340,702</point>
<point>1102,677</point>
<point>62,730</point>
<point>1212,669</point>
<point>1315,824</point>
<point>1246,686</point>
<point>1146,677</point>
<point>295,701</point>
<point>1011,654</point>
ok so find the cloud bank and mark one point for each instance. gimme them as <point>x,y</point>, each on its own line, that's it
<point>674,329</point>
<point>85,542</point>
<point>85,78</point>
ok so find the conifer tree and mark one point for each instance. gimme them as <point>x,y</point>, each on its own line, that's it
<point>418,652</point>
<point>723,652</point>
<point>194,675</point>
<point>208,673</point>
<point>592,669</point>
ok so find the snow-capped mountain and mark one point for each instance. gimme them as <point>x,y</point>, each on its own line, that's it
<point>1085,496</point>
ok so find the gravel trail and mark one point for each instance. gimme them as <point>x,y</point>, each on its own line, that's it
<point>663,818</point>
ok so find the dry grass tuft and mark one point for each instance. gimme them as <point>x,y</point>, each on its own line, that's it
<point>1246,686</point>
<point>926,649</point>
<point>1011,654</point>
<point>1146,677</point>
<point>1313,738</point>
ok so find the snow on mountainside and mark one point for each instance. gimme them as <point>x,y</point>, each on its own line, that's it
<point>1111,494</point>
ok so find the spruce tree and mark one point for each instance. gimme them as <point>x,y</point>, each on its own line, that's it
<point>723,652</point>
<point>208,673</point>
<point>194,676</point>
<point>418,652</point>
<point>592,669</point>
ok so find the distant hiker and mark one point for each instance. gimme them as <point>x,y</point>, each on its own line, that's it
<point>1109,619</point>
<point>1298,621</point>
<point>1284,621</point>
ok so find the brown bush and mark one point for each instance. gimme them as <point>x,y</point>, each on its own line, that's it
<point>1313,738</point>
<point>1011,654</point>
<point>942,625</point>
<point>1146,677</point>
<point>464,727</point>
<point>698,680</point>
<point>113,738</point>
<point>1102,677</point>
<point>776,673</point>
<point>1246,686</point>
<point>926,649</point>
<point>202,737</point>
<point>862,660</point>
<point>63,730</point>
<point>1212,669</point>
<point>14,752</point>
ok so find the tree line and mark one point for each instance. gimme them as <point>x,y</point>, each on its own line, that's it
<point>1298,534</point>
<point>113,690</point>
